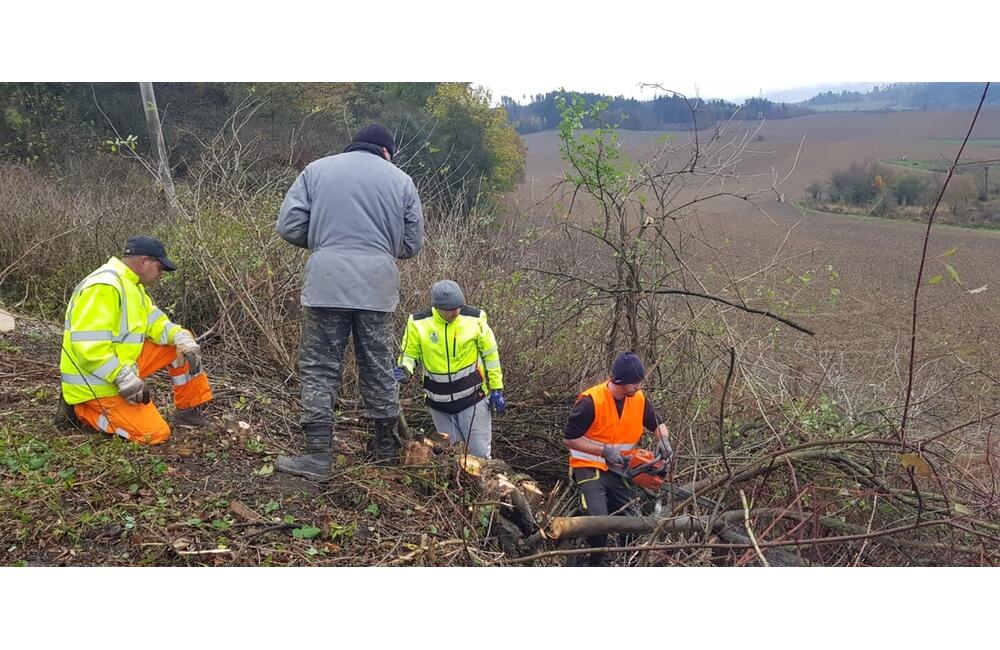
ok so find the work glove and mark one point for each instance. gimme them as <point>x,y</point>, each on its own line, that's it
<point>613,456</point>
<point>130,386</point>
<point>497,401</point>
<point>664,450</point>
<point>190,350</point>
<point>401,374</point>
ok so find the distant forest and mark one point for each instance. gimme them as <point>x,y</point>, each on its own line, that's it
<point>667,111</point>
<point>913,95</point>
<point>673,112</point>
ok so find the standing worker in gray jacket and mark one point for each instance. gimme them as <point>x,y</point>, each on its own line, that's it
<point>357,213</point>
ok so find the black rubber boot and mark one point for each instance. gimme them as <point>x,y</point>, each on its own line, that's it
<point>192,418</point>
<point>315,463</point>
<point>387,441</point>
<point>66,415</point>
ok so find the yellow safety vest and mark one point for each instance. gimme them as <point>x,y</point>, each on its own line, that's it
<point>107,319</point>
<point>454,356</point>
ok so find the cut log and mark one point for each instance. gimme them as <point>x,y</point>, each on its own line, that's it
<point>532,493</point>
<point>6,322</point>
<point>727,526</point>
<point>418,453</point>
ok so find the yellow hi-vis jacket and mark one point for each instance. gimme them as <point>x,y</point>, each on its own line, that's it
<point>456,357</point>
<point>108,317</point>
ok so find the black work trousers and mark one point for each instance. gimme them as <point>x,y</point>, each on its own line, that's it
<point>602,493</point>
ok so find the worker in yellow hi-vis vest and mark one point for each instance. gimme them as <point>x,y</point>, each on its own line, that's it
<point>462,377</point>
<point>114,338</point>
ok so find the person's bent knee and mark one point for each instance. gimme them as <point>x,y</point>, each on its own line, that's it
<point>156,436</point>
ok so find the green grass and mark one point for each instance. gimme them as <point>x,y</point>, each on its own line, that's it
<point>922,165</point>
<point>863,215</point>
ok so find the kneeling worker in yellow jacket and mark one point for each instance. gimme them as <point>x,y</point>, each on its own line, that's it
<point>114,337</point>
<point>458,351</point>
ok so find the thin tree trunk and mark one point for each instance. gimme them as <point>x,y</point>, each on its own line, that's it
<point>157,145</point>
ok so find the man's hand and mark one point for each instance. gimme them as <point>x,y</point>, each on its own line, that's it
<point>401,374</point>
<point>497,401</point>
<point>613,456</point>
<point>130,386</point>
<point>664,450</point>
<point>190,350</point>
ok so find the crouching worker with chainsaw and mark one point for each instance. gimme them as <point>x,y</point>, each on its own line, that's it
<point>458,351</point>
<point>114,338</point>
<point>603,430</point>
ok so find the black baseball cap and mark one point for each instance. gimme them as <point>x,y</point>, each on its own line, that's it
<point>151,247</point>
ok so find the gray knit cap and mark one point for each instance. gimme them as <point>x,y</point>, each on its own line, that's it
<point>446,294</point>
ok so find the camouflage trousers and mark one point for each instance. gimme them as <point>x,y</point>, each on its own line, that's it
<point>325,333</point>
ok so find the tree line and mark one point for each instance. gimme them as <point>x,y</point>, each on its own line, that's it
<point>668,111</point>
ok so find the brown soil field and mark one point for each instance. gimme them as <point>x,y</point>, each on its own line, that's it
<point>876,259</point>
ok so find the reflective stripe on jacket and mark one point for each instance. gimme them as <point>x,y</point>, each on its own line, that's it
<point>456,357</point>
<point>107,319</point>
<point>608,428</point>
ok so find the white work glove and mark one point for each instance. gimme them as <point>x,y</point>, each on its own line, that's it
<point>190,350</point>
<point>130,386</point>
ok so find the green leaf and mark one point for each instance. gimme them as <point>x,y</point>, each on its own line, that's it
<point>266,470</point>
<point>935,280</point>
<point>193,521</point>
<point>372,509</point>
<point>952,273</point>
<point>950,251</point>
<point>306,532</point>
<point>271,506</point>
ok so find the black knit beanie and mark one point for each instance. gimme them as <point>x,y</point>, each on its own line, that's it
<point>627,369</point>
<point>378,135</point>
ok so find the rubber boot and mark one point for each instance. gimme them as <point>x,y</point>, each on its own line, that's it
<point>315,463</point>
<point>387,441</point>
<point>66,416</point>
<point>192,418</point>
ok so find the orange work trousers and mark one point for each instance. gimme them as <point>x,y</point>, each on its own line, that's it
<point>143,423</point>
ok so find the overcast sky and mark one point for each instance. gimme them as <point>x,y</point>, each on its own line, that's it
<point>729,49</point>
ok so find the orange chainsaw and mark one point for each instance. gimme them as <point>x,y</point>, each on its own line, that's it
<point>646,469</point>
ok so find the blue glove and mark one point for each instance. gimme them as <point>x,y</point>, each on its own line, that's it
<point>497,402</point>
<point>401,375</point>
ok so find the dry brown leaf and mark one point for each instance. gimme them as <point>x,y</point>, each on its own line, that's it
<point>244,512</point>
<point>919,465</point>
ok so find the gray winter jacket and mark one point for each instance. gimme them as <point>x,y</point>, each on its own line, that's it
<point>358,213</point>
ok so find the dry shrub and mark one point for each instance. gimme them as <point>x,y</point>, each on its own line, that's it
<point>53,231</point>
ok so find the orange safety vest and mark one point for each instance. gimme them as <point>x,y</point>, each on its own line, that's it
<point>608,428</point>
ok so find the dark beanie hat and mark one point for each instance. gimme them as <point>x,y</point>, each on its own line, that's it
<point>627,369</point>
<point>378,135</point>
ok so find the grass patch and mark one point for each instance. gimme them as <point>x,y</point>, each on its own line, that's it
<point>922,165</point>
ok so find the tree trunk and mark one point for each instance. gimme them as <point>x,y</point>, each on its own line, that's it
<point>157,146</point>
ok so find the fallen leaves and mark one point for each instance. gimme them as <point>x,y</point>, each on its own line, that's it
<point>915,463</point>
